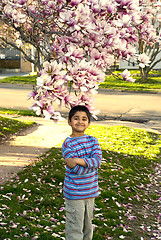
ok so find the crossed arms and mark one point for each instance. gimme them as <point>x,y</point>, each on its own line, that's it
<point>72,162</point>
<point>82,164</point>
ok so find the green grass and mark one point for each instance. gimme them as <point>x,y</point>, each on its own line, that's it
<point>20,80</point>
<point>10,126</point>
<point>32,204</point>
<point>153,84</point>
<point>9,111</point>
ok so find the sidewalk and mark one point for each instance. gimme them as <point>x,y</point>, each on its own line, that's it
<point>25,148</point>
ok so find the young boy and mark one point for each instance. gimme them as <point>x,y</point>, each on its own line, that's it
<point>82,156</point>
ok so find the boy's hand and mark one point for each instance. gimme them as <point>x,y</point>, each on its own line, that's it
<point>70,162</point>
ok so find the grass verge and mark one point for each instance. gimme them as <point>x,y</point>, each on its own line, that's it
<point>9,111</point>
<point>153,84</point>
<point>32,204</point>
<point>20,80</point>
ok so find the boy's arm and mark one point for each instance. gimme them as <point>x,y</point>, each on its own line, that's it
<point>72,162</point>
<point>85,164</point>
<point>69,153</point>
<point>94,160</point>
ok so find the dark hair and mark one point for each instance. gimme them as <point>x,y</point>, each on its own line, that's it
<point>79,108</point>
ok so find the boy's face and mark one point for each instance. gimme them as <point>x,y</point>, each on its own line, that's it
<point>79,123</point>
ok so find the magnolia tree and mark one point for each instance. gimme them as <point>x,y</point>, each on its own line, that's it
<point>148,44</point>
<point>78,40</point>
<point>148,33</point>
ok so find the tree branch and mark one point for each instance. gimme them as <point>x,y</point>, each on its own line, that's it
<point>20,49</point>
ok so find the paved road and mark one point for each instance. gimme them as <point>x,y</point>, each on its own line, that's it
<point>133,107</point>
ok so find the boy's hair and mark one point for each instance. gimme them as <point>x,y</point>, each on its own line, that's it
<point>79,108</point>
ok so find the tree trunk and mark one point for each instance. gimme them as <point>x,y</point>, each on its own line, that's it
<point>144,73</point>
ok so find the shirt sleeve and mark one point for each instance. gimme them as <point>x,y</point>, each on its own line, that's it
<point>68,152</point>
<point>94,160</point>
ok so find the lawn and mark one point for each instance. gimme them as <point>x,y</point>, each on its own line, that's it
<point>32,204</point>
<point>9,126</point>
<point>153,84</point>
<point>23,112</point>
<point>20,80</point>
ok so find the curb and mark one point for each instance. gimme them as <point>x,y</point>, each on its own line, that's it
<point>102,90</point>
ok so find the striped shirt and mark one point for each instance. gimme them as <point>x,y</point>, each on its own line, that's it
<point>82,182</point>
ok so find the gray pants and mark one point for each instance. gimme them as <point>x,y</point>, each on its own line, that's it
<point>79,215</point>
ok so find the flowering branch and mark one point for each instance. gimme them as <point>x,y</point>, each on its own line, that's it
<point>78,41</point>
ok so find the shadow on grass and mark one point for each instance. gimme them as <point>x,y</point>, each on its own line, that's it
<point>34,204</point>
<point>10,126</point>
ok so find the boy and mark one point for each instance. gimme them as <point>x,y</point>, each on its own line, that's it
<point>82,156</point>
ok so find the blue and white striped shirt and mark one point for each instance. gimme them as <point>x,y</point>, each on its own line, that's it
<point>82,182</point>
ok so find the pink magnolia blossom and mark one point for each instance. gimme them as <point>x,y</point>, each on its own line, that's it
<point>143,60</point>
<point>32,95</point>
<point>21,2</point>
<point>78,41</point>
<point>127,76</point>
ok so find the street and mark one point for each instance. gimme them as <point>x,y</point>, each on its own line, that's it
<point>110,103</point>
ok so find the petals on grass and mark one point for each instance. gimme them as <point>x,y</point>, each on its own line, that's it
<point>35,237</point>
<point>53,219</point>
<point>26,234</point>
<point>122,236</point>
<point>55,235</point>
<point>14,225</point>
<point>6,197</point>
<point>118,204</point>
<point>3,223</point>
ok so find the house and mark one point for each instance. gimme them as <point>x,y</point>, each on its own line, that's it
<point>12,60</point>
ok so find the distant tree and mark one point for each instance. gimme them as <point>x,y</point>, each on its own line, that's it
<point>149,44</point>
<point>148,31</point>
